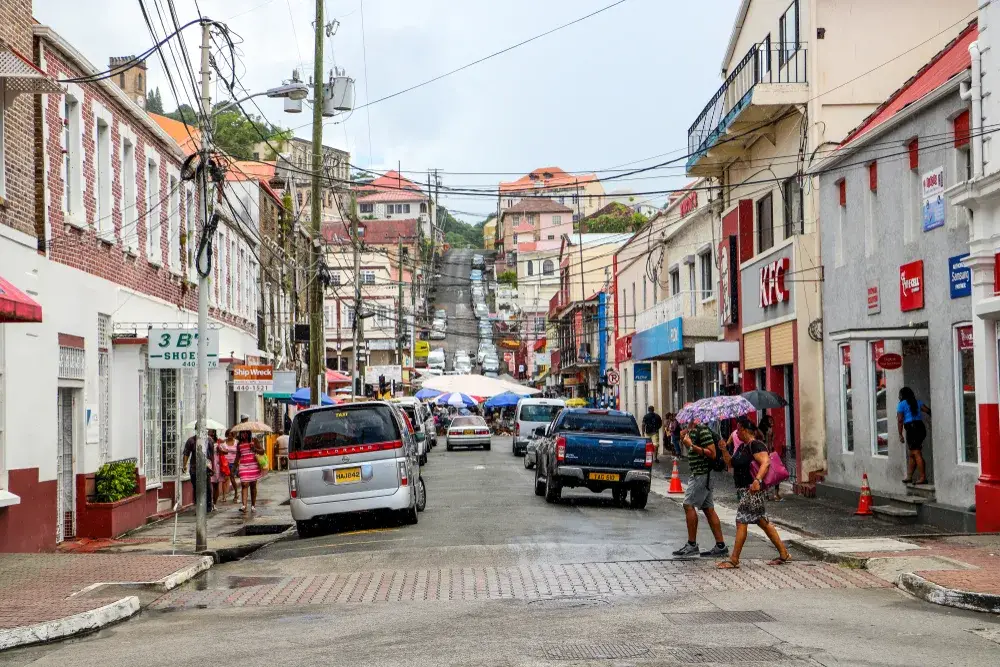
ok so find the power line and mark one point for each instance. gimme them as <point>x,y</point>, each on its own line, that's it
<point>364,55</point>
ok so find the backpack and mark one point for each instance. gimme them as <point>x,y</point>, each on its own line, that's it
<point>718,464</point>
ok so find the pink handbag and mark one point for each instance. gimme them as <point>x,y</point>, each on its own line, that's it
<point>776,472</point>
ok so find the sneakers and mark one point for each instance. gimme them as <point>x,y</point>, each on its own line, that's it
<point>716,551</point>
<point>687,550</point>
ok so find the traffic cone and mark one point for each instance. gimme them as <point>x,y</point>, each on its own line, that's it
<point>865,500</point>
<point>675,480</point>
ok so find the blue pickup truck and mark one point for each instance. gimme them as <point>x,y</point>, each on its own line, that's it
<point>598,449</point>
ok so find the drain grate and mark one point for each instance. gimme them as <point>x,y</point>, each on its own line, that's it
<point>719,617</point>
<point>728,654</point>
<point>567,603</point>
<point>595,651</point>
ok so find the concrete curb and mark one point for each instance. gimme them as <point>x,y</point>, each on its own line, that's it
<point>178,577</point>
<point>87,621</point>
<point>928,591</point>
<point>241,551</point>
<point>856,562</point>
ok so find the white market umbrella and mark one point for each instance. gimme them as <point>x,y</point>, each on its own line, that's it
<point>456,400</point>
<point>476,385</point>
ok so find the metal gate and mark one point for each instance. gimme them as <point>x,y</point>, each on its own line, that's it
<point>65,478</point>
<point>150,382</point>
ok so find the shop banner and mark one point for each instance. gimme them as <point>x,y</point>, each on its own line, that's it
<point>623,348</point>
<point>911,286</point>
<point>178,348</point>
<point>642,372</point>
<point>372,373</point>
<point>959,277</point>
<point>253,378</point>
<point>964,338</point>
<point>933,199</point>
<point>874,301</point>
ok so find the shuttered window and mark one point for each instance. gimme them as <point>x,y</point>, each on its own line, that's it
<point>754,351</point>
<point>961,124</point>
<point>782,344</point>
<point>914,149</point>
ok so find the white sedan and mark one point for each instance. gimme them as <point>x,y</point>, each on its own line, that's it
<point>470,431</point>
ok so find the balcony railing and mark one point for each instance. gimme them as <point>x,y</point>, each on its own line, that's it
<point>666,310</point>
<point>763,63</point>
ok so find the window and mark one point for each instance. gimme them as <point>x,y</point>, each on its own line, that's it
<point>423,207</point>
<point>103,222</point>
<point>233,276</point>
<point>174,222</point>
<point>635,305</point>
<point>707,286</point>
<point>556,220</point>
<point>153,251</point>
<point>539,325</point>
<point>328,316</point>
<point>764,60</point>
<point>334,278</point>
<point>675,281</point>
<point>788,33</point>
<point>846,409</point>
<point>791,194</point>
<point>765,223</point>
<point>531,268</point>
<point>365,208</point>
<point>624,310</point>
<point>367,277</point>
<point>877,401</point>
<point>965,403</point>
<point>191,226</point>
<point>383,317</point>
<point>72,157</point>
<point>348,319</point>
<point>138,84</point>
<point>692,289</point>
<point>130,216</point>
<point>222,284</point>
<point>551,237</point>
<point>406,208</point>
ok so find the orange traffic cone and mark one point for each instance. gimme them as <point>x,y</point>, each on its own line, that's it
<point>675,480</point>
<point>865,500</point>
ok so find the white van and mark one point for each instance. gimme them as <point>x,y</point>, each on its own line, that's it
<point>435,359</point>
<point>529,415</point>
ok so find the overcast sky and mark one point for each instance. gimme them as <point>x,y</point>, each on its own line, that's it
<point>613,90</point>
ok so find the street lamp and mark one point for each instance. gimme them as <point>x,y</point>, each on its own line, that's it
<point>293,92</point>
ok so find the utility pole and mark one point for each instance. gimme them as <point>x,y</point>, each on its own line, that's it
<point>200,462</point>
<point>430,218</point>
<point>413,309</point>
<point>317,337</point>
<point>358,322</point>
<point>399,306</point>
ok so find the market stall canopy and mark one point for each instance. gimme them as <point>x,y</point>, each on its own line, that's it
<point>504,400</point>
<point>477,385</point>
<point>302,396</point>
<point>336,377</point>
<point>456,399</point>
<point>424,394</point>
<point>16,306</point>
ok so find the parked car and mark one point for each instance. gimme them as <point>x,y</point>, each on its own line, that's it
<point>531,450</point>
<point>482,312</point>
<point>478,292</point>
<point>441,314</point>
<point>476,275</point>
<point>439,330</point>
<point>352,458</point>
<point>478,261</point>
<point>491,365</point>
<point>435,360</point>
<point>463,364</point>
<point>422,421</point>
<point>529,414</point>
<point>485,347</point>
<point>470,431</point>
<point>597,449</point>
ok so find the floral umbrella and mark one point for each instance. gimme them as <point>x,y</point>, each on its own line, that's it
<point>715,408</point>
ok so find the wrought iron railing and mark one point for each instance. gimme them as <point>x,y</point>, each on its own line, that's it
<point>763,63</point>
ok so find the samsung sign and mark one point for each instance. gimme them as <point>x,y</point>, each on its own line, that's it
<point>959,277</point>
<point>659,341</point>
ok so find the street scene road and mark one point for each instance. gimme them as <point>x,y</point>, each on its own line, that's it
<point>453,294</point>
<point>493,575</point>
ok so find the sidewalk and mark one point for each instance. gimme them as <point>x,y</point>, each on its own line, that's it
<point>952,570</point>
<point>90,584</point>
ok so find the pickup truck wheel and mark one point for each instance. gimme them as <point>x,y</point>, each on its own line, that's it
<point>305,529</point>
<point>539,482</point>
<point>639,497</point>
<point>553,490</point>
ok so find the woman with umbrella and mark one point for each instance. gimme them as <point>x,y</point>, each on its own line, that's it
<point>248,469</point>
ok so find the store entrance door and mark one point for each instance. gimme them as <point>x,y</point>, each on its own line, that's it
<point>791,446</point>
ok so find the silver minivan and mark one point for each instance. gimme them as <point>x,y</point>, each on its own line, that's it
<point>352,458</point>
<point>529,415</point>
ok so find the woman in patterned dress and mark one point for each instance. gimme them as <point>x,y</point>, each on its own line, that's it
<point>750,491</point>
<point>249,471</point>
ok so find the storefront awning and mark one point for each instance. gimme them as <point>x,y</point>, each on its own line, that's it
<point>20,75</point>
<point>717,351</point>
<point>878,334</point>
<point>16,306</point>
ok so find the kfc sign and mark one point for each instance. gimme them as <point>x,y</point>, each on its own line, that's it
<point>911,286</point>
<point>772,283</point>
<point>689,203</point>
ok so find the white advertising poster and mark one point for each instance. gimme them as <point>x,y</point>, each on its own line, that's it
<point>932,204</point>
<point>178,348</point>
<point>372,373</point>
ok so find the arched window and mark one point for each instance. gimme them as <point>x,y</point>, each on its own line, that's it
<point>548,267</point>
<point>531,268</point>
<point>138,84</point>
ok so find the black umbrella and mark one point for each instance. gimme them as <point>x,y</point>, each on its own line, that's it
<point>764,400</point>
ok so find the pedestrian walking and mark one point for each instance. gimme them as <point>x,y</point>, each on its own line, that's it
<point>765,433</point>
<point>651,425</point>
<point>750,492</point>
<point>703,446</point>
<point>675,436</point>
<point>909,420</point>
<point>188,464</point>
<point>248,469</point>
<point>227,464</point>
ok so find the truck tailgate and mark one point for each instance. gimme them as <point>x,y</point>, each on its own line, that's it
<point>605,451</point>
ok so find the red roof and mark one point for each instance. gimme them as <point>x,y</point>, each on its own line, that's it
<point>952,60</point>
<point>390,180</point>
<point>373,232</point>
<point>546,177</point>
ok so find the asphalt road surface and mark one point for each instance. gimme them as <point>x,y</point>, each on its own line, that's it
<point>493,575</point>
<point>454,294</point>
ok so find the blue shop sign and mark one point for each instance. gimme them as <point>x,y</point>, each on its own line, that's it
<point>642,372</point>
<point>959,277</point>
<point>659,340</point>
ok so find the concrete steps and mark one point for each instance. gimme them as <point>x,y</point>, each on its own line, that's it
<point>906,509</point>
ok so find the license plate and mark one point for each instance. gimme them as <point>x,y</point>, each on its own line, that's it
<point>468,431</point>
<point>346,475</point>
<point>604,476</point>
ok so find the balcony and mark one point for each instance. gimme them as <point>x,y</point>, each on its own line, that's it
<point>769,80</point>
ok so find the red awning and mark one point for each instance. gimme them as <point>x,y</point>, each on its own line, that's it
<point>336,377</point>
<point>16,306</point>
<point>539,345</point>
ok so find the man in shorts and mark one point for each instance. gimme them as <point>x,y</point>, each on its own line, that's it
<point>702,445</point>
